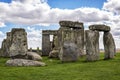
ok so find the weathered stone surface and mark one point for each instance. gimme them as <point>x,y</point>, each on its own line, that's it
<point>54,54</point>
<point>19,46</point>
<point>109,45</point>
<point>24,62</point>
<point>69,52</point>
<point>99,27</point>
<point>46,43</point>
<point>33,56</point>
<point>92,45</point>
<point>5,48</point>
<point>71,24</point>
<point>72,31</point>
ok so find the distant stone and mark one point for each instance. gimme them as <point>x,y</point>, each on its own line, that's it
<point>24,62</point>
<point>99,27</point>
<point>54,54</point>
<point>33,56</point>
<point>92,45</point>
<point>109,45</point>
<point>69,52</point>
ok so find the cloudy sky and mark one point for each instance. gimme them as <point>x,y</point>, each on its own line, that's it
<point>38,15</point>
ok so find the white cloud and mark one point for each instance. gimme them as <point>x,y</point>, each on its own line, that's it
<point>112,5</point>
<point>38,12</point>
<point>2,24</point>
<point>34,37</point>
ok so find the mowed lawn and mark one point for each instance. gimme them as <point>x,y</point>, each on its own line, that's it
<point>55,70</point>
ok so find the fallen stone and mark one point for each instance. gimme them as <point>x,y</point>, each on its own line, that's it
<point>54,54</point>
<point>33,56</point>
<point>99,27</point>
<point>24,62</point>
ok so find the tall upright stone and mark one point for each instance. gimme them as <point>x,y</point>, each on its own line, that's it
<point>109,45</point>
<point>19,47</point>
<point>5,48</point>
<point>92,45</point>
<point>71,37</point>
<point>46,45</point>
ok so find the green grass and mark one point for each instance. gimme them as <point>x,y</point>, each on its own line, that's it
<point>55,70</point>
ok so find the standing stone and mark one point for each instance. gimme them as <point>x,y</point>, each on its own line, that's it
<point>19,46</point>
<point>69,52</point>
<point>46,46</point>
<point>55,49</point>
<point>72,31</point>
<point>5,48</point>
<point>109,45</point>
<point>92,45</point>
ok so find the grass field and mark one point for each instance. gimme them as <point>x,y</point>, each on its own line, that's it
<point>55,70</point>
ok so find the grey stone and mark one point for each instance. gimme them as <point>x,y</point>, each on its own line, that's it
<point>71,24</point>
<point>54,54</point>
<point>33,56</point>
<point>109,45</point>
<point>24,62</point>
<point>5,48</point>
<point>69,52</point>
<point>19,47</point>
<point>46,43</point>
<point>92,45</point>
<point>99,27</point>
<point>72,31</point>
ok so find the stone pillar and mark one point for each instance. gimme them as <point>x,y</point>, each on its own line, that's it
<point>92,45</point>
<point>71,37</point>
<point>80,40</point>
<point>19,47</point>
<point>5,48</point>
<point>46,46</point>
<point>109,45</point>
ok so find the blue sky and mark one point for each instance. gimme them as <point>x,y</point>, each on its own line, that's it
<point>37,15</point>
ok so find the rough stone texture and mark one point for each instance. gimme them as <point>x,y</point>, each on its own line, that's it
<point>5,48</point>
<point>24,62</point>
<point>99,27</point>
<point>92,45</point>
<point>54,54</point>
<point>72,31</point>
<point>69,52</point>
<point>46,44</point>
<point>109,45</point>
<point>71,24</point>
<point>33,56</point>
<point>18,48</point>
